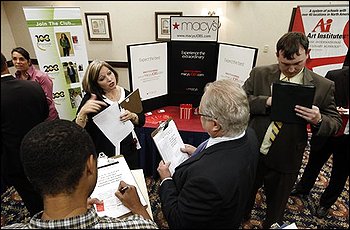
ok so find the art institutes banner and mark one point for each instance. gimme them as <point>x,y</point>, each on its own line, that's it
<point>327,28</point>
<point>59,43</point>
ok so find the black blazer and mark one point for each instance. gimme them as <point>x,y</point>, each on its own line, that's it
<point>23,106</point>
<point>210,189</point>
<point>340,77</point>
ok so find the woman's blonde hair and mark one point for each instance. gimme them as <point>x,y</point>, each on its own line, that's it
<point>91,75</point>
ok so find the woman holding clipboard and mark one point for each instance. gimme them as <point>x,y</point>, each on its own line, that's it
<point>100,84</point>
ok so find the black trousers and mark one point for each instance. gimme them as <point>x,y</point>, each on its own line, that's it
<point>66,51</point>
<point>277,188</point>
<point>31,199</point>
<point>72,78</point>
<point>339,147</point>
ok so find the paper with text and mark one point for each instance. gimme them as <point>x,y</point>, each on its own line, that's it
<point>108,121</point>
<point>168,141</point>
<point>108,179</point>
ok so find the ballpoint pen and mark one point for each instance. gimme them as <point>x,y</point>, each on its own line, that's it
<point>123,189</point>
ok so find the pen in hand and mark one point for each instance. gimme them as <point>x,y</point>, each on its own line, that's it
<point>123,189</point>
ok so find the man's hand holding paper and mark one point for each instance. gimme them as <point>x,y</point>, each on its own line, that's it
<point>189,149</point>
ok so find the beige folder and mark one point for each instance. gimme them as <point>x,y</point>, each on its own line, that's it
<point>133,102</point>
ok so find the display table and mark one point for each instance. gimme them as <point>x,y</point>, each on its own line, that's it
<point>191,132</point>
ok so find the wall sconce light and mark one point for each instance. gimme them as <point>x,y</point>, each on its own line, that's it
<point>211,13</point>
<point>205,12</point>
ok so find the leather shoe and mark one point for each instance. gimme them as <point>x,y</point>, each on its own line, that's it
<point>322,211</point>
<point>298,192</point>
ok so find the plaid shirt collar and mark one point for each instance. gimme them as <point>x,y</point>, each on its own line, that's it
<point>87,220</point>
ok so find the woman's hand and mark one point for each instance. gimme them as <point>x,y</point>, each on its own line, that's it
<point>127,115</point>
<point>91,106</point>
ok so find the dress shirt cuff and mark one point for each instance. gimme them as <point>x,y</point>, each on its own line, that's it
<point>166,178</point>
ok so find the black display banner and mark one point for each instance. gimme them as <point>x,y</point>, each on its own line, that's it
<point>191,66</point>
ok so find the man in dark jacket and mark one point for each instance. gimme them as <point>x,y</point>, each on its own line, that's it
<point>323,147</point>
<point>23,106</point>
<point>210,190</point>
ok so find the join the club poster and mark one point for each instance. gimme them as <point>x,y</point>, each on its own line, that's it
<point>59,43</point>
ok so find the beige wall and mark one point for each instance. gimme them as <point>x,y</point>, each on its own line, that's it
<point>255,23</point>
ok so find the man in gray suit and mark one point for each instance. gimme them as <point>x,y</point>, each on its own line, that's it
<point>281,159</point>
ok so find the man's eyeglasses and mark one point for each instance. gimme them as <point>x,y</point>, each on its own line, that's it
<point>196,112</point>
<point>203,115</point>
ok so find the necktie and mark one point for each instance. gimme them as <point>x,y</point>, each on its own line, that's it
<point>276,126</point>
<point>200,147</point>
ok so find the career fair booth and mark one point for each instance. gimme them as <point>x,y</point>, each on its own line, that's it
<point>171,77</point>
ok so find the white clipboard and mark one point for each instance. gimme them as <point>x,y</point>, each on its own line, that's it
<point>110,172</point>
<point>168,141</point>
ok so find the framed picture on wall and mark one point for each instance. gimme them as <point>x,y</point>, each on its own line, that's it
<point>98,26</point>
<point>162,20</point>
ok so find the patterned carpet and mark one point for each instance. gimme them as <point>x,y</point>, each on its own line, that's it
<point>299,211</point>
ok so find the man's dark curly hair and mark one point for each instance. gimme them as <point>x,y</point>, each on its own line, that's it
<point>54,155</point>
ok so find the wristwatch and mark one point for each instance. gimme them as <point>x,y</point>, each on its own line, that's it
<point>318,124</point>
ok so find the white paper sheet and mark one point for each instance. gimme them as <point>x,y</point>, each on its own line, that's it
<point>109,123</point>
<point>291,226</point>
<point>140,180</point>
<point>169,142</point>
<point>108,180</point>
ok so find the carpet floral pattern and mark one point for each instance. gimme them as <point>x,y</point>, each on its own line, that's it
<point>300,211</point>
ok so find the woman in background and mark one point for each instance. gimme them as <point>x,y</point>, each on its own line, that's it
<point>64,42</point>
<point>25,70</point>
<point>100,84</point>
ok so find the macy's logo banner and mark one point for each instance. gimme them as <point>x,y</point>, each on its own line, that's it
<point>196,28</point>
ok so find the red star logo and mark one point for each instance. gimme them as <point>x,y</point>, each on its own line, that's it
<point>176,25</point>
